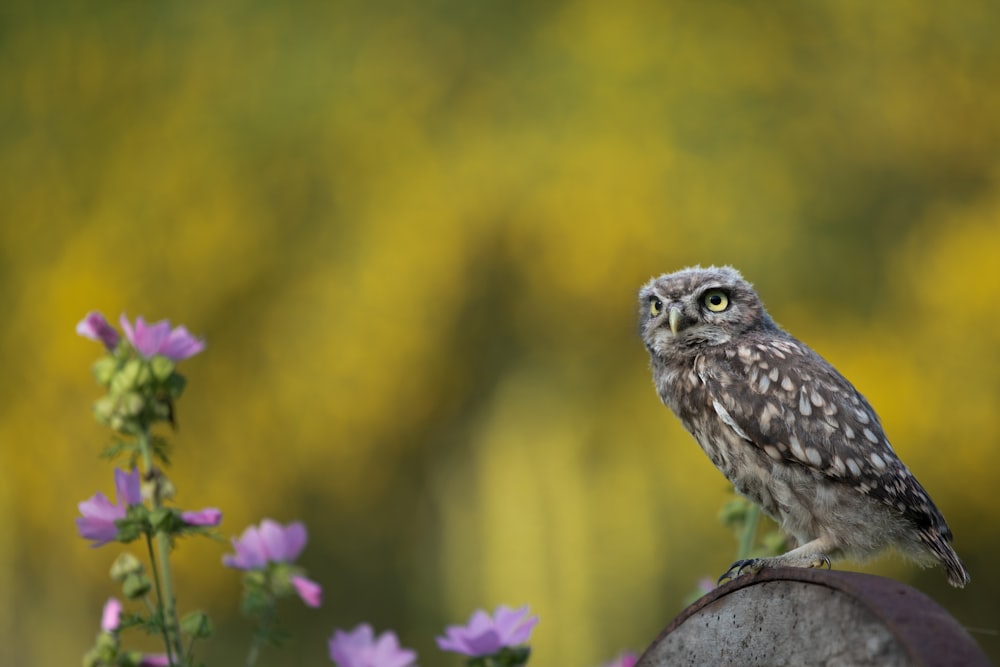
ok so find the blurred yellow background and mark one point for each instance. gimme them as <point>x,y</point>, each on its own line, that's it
<point>412,234</point>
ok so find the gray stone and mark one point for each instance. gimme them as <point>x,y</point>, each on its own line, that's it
<point>814,617</point>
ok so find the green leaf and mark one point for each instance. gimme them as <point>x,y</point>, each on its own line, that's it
<point>163,519</point>
<point>197,625</point>
<point>175,385</point>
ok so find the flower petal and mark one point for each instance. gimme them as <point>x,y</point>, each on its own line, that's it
<point>272,537</point>
<point>127,487</point>
<point>296,538</point>
<point>387,652</point>
<point>180,345</point>
<point>98,521</point>
<point>310,592</point>
<point>210,516</point>
<point>111,616</point>
<point>95,327</point>
<point>360,648</point>
<point>250,552</point>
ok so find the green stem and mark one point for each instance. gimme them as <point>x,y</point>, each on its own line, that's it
<point>159,597</point>
<point>263,629</point>
<point>168,602</point>
<point>749,532</point>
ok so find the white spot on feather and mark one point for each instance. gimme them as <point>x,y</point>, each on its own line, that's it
<point>814,456</point>
<point>852,465</point>
<point>797,451</point>
<point>728,420</point>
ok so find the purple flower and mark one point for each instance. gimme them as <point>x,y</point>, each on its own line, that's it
<point>627,659</point>
<point>158,338</point>
<point>210,516</point>
<point>310,592</point>
<point>111,616</point>
<point>360,648</point>
<point>99,515</point>
<point>272,543</point>
<point>486,636</point>
<point>269,543</point>
<point>154,660</point>
<point>95,327</point>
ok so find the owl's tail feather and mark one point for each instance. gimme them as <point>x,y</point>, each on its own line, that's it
<point>958,576</point>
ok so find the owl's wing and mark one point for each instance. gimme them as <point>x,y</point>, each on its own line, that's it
<point>786,400</point>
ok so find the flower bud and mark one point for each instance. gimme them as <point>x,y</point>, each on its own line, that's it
<point>130,404</point>
<point>126,379</point>
<point>136,585</point>
<point>197,625</point>
<point>104,409</point>
<point>162,367</point>
<point>104,370</point>
<point>125,565</point>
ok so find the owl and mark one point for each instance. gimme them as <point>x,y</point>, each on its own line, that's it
<point>789,431</point>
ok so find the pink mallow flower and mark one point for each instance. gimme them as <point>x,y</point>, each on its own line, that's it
<point>210,516</point>
<point>111,616</point>
<point>627,659</point>
<point>158,338</point>
<point>99,514</point>
<point>95,327</point>
<point>274,543</point>
<point>111,619</point>
<point>361,648</point>
<point>485,635</point>
<point>310,592</point>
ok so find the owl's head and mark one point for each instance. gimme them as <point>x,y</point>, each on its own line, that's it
<point>694,307</point>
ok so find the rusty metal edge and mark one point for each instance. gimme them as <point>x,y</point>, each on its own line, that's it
<point>928,633</point>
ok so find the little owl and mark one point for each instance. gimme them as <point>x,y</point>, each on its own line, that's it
<point>789,431</point>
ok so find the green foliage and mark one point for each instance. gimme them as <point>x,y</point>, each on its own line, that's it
<point>507,657</point>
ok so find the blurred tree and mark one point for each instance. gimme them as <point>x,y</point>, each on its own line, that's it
<point>412,234</point>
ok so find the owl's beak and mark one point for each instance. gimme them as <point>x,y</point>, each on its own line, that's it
<point>674,319</point>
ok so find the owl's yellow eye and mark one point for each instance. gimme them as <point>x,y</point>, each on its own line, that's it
<point>716,300</point>
<point>655,306</point>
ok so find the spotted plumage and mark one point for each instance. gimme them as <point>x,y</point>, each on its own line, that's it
<point>789,431</point>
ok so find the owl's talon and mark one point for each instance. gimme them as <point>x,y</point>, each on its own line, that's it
<point>822,559</point>
<point>737,569</point>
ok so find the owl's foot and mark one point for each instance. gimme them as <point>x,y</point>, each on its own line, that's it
<point>755,565</point>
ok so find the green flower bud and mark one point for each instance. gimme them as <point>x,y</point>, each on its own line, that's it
<point>127,378</point>
<point>162,519</point>
<point>162,367</point>
<point>197,625</point>
<point>125,565</point>
<point>104,409</point>
<point>136,585</point>
<point>734,512</point>
<point>104,370</point>
<point>131,404</point>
